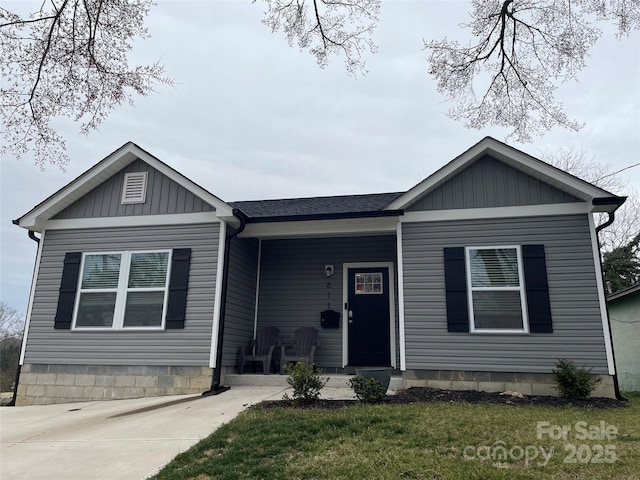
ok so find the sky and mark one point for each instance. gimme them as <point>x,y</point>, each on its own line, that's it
<point>251,118</point>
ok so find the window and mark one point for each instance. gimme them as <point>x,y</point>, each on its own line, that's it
<point>123,290</point>
<point>495,289</point>
<point>134,189</point>
<point>369,283</point>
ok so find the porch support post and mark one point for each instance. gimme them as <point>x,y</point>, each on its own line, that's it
<point>255,312</point>
<point>403,360</point>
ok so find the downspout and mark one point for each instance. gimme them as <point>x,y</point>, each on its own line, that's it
<point>216,388</point>
<point>616,386</point>
<point>12,402</point>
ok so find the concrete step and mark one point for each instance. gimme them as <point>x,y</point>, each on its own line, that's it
<point>276,380</point>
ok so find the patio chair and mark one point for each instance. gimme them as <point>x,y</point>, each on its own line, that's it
<point>305,344</point>
<point>261,349</point>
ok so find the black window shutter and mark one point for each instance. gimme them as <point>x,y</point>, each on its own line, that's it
<point>535,281</point>
<point>455,280</point>
<point>68,289</point>
<point>178,283</point>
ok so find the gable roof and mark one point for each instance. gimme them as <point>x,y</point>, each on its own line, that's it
<point>264,210</point>
<point>345,206</point>
<point>105,169</point>
<point>601,199</point>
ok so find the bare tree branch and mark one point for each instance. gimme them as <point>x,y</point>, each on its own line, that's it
<point>11,322</point>
<point>68,60</point>
<point>327,27</point>
<point>548,43</point>
<point>627,221</point>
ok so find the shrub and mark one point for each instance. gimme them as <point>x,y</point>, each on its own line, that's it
<point>368,390</point>
<point>573,382</point>
<point>306,382</point>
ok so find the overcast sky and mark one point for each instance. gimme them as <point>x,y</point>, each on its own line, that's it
<point>251,118</point>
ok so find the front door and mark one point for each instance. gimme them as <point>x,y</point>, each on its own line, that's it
<point>368,316</point>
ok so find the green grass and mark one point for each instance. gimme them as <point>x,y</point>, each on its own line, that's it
<point>419,441</point>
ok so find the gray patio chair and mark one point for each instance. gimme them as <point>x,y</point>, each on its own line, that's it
<point>304,348</point>
<point>261,349</point>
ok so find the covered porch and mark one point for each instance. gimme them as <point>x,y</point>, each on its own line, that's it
<point>284,279</point>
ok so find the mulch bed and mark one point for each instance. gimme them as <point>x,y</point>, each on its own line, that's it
<point>430,395</point>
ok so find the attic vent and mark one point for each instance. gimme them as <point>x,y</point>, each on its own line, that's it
<point>135,187</point>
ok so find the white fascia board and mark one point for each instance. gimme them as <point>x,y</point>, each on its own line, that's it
<point>78,187</point>
<point>497,212</point>
<point>512,157</point>
<point>104,169</point>
<point>132,221</point>
<point>319,228</point>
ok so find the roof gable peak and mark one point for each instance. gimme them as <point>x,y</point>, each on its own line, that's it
<point>513,157</point>
<point>103,170</point>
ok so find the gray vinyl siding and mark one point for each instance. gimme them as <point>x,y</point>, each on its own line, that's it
<point>577,326</point>
<point>293,288</point>
<point>164,196</point>
<point>490,183</point>
<point>241,297</point>
<point>188,346</point>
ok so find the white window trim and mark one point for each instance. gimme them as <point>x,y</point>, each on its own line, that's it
<point>143,192</point>
<point>121,293</point>
<point>521,288</point>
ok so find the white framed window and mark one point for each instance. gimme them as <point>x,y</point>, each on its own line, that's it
<point>134,188</point>
<point>122,290</point>
<point>496,291</point>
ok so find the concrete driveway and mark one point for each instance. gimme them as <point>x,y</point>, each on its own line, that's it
<point>120,439</point>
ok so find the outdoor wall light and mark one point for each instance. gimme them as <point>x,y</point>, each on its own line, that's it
<point>328,270</point>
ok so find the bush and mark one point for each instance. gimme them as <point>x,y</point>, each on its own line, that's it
<point>368,390</point>
<point>573,382</point>
<point>306,382</point>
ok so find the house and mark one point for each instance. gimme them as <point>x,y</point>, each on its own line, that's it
<point>480,277</point>
<point>624,313</point>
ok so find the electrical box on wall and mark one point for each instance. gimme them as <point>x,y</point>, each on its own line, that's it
<point>330,319</point>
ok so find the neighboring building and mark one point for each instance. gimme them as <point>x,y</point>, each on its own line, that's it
<point>624,313</point>
<point>481,276</point>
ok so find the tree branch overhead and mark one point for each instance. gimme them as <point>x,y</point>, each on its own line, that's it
<point>68,59</point>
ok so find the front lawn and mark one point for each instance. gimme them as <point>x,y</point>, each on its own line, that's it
<point>419,441</point>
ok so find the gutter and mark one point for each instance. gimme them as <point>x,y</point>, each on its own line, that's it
<point>617,201</point>
<point>12,402</point>
<point>612,217</point>
<point>216,388</point>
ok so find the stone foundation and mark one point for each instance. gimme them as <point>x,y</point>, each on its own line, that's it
<point>42,384</point>
<point>525,383</point>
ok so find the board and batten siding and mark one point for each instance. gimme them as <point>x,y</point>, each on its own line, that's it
<point>293,287</point>
<point>577,324</point>
<point>164,196</point>
<point>241,298</point>
<point>490,183</point>
<point>181,347</point>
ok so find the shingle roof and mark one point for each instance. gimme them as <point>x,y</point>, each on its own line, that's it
<point>291,207</point>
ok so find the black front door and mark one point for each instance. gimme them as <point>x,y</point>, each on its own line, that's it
<point>368,317</point>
